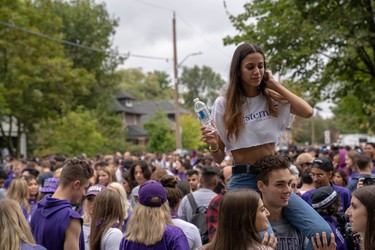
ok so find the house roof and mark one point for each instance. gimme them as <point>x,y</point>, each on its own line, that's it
<point>150,108</point>
<point>135,132</point>
<point>124,95</point>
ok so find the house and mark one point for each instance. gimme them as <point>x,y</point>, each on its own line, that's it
<point>136,113</point>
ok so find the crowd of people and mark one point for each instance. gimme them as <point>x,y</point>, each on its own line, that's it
<point>241,193</point>
<point>142,202</point>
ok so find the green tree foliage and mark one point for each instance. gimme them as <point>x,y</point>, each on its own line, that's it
<point>76,133</point>
<point>42,79</point>
<point>191,135</point>
<point>145,86</point>
<point>89,24</point>
<point>161,138</point>
<point>38,81</point>
<point>200,82</point>
<point>326,46</point>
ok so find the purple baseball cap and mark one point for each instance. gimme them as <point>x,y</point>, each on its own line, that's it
<point>151,189</point>
<point>94,190</point>
<point>50,185</point>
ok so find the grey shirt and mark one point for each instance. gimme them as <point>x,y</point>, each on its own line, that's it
<point>202,197</point>
<point>288,237</point>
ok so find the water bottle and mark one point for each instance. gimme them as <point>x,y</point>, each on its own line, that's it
<point>203,113</point>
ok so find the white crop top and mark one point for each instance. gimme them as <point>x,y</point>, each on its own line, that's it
<point>260,127</point>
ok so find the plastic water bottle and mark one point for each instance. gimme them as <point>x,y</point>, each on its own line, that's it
<point>203,113</point>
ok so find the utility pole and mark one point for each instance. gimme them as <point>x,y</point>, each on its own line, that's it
<point>176,94</point>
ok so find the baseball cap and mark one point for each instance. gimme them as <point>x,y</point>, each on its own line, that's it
<point>151,189</point>
<point>323,163</point>
<point>94,189</point>
<point>50,185</point>
<point>323,197</point>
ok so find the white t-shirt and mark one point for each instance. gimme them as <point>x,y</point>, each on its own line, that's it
<point>111,239</point>
<point>191,232</point>
<point>260,127</point>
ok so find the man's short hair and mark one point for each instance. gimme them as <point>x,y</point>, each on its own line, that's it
<point>191,172</point>
<point>267,164</point>
<point>74,169</point>
<point>363,161</point>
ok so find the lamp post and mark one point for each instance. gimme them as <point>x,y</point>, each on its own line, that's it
<point>176,92</point>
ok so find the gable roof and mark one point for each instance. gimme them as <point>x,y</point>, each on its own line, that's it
<point>150,108</point>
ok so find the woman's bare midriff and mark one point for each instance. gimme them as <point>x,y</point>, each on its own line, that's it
<point>252,154</point>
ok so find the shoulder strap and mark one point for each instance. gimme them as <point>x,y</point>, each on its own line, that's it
<point>192,202</point>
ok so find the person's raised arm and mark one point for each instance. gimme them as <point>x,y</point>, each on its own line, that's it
<point>72,234</point>
<point>299,106</point>
<point>216,146</point>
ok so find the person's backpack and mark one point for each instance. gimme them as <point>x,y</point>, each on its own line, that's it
<point>199,218</point>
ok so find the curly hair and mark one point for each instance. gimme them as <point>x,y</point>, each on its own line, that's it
<point>74,169</point>
<point>268,163</point>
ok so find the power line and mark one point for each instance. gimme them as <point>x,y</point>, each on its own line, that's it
<point>155,6</point>
<point>189,25</point>
<point>127,55</point>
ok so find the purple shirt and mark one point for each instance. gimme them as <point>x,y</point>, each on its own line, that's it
<point>343,192</point>
<point>50,220</point>
<point>340,241</point>
<point>173,239</point>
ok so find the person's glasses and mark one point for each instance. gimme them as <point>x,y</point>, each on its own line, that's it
<point>319,175</point>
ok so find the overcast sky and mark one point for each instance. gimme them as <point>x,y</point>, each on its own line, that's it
<point>145,29</point>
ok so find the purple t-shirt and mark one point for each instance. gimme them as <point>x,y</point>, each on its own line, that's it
<point>50,220</point>
<point>340,240</point>
<point>343,192</point>
<point>173,239</point>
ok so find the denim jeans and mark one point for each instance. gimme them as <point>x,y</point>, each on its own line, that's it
<point>298,212</point>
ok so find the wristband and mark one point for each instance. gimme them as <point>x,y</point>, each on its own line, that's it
<point>214,150</point>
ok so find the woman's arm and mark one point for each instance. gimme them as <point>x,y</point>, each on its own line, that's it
<point>299,106</point>
<point>216,145</point>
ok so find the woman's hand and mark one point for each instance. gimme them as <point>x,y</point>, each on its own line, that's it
<point>210,137</point>
<point>270,241</point>
<point>323,244</point>
<point>360,183</point>
<point>271,82</point>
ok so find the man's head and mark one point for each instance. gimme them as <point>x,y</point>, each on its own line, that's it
<point>209,178</point>
<point>364,162</point>
<point>304,160</point>
<point>321,172</point>
<point>274,180</point>
<point>75,176</point>
<point>192,176</point>
<point>225,175</point>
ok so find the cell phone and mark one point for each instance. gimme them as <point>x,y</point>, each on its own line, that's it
<point>368,181</point>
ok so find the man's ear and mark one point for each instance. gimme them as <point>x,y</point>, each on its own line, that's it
<point>260,185</point>
<point>76,184</point>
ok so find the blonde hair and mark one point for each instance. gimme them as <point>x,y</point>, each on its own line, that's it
<point>124,198</point>
<point>157,218</point>
<point>86,216</point>
<point>19,191</point>
<point>14,228</point>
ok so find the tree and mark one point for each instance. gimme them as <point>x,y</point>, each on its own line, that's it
<point>73,134</point>
<point>191,135</point>
<point>149,86</point>
<point>203,83</point>
<point>326,46</point>
<point>89,24</point>
<point>160,134</point>
<point>38,81</point>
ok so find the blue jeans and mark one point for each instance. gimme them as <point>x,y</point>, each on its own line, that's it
<point>298,212</point>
